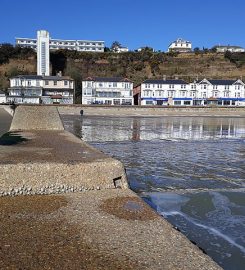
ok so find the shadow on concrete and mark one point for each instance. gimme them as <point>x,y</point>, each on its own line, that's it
<point>11,138</point>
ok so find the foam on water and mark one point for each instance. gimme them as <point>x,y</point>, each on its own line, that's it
<point>208,228</point>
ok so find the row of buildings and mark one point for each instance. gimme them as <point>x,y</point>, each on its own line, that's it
<point>45,89</point>
<point>179,45</point>
<point>182,46</point>
<point>36,89</point>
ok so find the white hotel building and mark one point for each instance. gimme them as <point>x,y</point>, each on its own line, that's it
<point>107,91</point>
<point>204,92</point>
<point>57,44</point>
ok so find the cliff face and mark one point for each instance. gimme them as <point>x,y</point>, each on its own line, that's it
<point>135,66</point>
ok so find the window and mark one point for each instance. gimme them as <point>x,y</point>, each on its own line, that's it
<point>148,102</point>
<point>183,93</point>
<point>177,102</point>
<point>204,94</point>
<point>170,93</point>
<point>55,82</point>
<point>187,102</point>
<point>114,84</point>
<point>29,83</point>
<point>46,82</point>
<point>87,92</point>
<point>65,82</point>
<point>38,83</point>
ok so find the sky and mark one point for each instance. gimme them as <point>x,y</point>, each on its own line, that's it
<point>134,23</point>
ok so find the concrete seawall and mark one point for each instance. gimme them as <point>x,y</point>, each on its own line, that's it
<point>105,227</point>
<point>147,111</point>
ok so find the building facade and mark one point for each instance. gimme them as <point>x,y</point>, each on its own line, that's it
<point>107,91</point>
<point>204,92</point>
<point>43,53</point>
<point>57,44</point>
<point>180,45</point>
<point>34,89</point>
<point>3,97</point>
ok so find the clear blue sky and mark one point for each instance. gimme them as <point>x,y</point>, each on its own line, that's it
<point>134,23</point>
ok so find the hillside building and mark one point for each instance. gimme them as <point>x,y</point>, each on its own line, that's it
<point>120,49</point>
<point>57,44</point>
<point>36,89</point>
<point>107,91</point>
<point>180,45</point>
<point>223,49</point>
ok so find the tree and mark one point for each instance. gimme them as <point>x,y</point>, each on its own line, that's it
<point>196,50</point>
<point>115,45</point>
<point>75,74</point>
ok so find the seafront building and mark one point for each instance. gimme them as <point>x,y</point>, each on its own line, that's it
<point>204,92</point>
<point>180,45</point>
<point>36,89</point>
<point>3,97</point>
<point>57,44</point>
<point>107,91</point>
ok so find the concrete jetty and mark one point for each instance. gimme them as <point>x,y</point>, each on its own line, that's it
<point>106,226</point>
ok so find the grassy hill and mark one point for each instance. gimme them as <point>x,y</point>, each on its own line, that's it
<point>136,66</point>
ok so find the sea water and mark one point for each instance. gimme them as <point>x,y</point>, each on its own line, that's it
<point>190,169</point>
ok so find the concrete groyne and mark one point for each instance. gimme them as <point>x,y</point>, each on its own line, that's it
<point>107,226</point>
<point>38,157</point>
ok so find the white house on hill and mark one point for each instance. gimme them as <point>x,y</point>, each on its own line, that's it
<point>180,45</point>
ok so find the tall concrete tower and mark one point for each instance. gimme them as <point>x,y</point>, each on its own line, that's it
<point>43,53</point>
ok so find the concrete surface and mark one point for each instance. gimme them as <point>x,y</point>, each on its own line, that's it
<point>36,118</point>
<point>5,121</point>
<point>44,162</point>
<point>110,229</point>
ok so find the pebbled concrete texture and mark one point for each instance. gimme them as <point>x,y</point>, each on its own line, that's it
<point>45,162</point>
<point>59,227</point>
<point>36,118</point>
<point>91,230</point>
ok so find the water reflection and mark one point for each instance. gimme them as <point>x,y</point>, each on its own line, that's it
<point>136,129</point>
